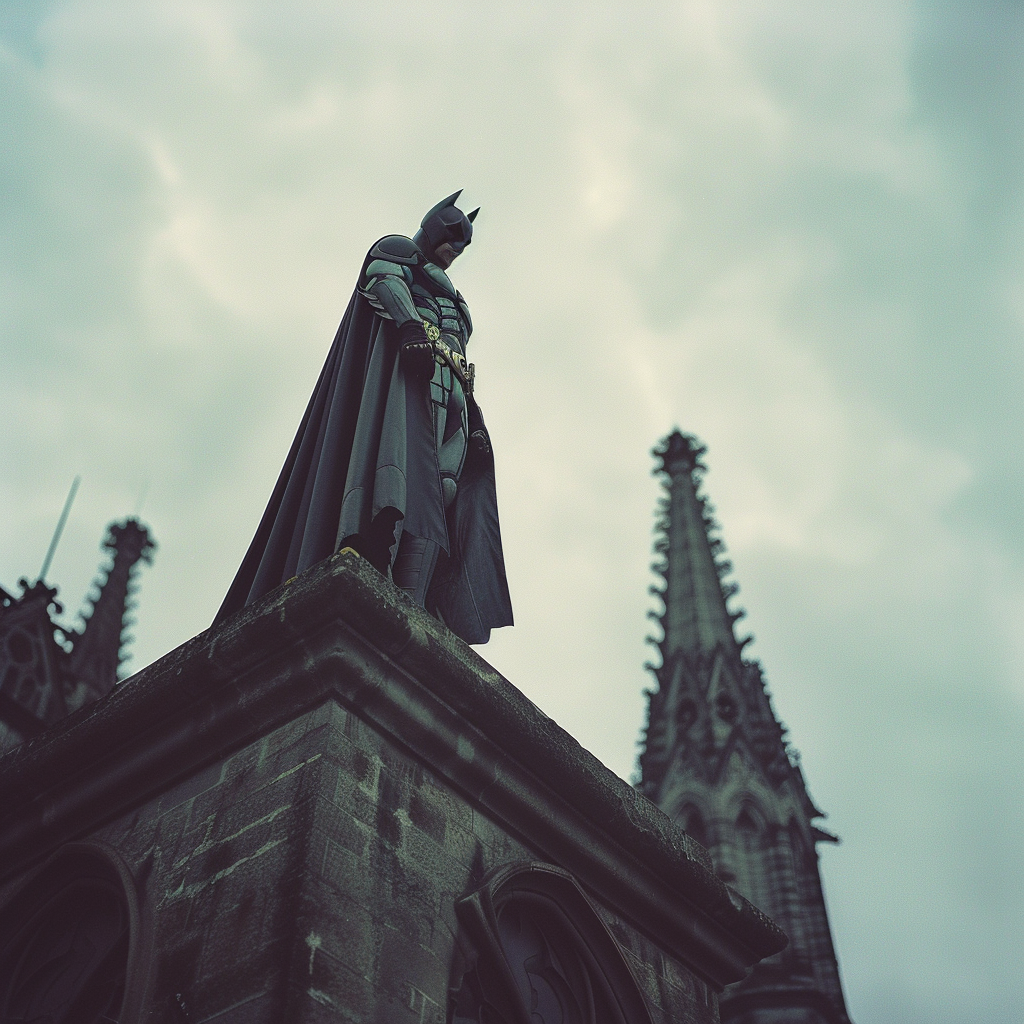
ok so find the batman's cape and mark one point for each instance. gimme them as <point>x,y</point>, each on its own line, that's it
<point>364,456</point>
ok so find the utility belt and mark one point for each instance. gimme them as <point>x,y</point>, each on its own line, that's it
<point>464,371</point>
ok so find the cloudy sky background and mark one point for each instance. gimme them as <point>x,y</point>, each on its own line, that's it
<point>790,228</point>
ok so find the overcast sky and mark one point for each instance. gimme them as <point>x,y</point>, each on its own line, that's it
<point>793,229</point>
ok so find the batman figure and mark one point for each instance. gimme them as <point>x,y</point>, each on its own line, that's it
<point>392,457</point>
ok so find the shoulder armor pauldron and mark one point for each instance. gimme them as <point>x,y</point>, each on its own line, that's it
<point>396,249</point>
<point>379,268</point>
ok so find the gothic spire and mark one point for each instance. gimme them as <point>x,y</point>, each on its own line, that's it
<point>98,650</point>
<point>696,619</point>
<point>715,758</point>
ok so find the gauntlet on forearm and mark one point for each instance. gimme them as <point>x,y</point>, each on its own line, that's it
<point>415,351</point>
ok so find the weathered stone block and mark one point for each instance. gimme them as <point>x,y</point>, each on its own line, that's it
<point>342,828</point>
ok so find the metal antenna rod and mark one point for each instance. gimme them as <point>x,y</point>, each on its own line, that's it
<point>60,527</point>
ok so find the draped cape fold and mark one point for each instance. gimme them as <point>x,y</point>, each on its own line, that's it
<point>365,450</point>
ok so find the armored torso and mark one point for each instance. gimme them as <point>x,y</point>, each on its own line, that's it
<point>401,285</point>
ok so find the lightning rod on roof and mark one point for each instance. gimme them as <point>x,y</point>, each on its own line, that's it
<point>60,527</point>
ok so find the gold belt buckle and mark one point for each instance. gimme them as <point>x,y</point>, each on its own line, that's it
<point>444,353</point>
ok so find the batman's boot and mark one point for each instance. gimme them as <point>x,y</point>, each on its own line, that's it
<point>413,567</point>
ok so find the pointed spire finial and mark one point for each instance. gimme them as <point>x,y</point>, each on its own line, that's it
<point>696,618</point>
<point>679,453</point>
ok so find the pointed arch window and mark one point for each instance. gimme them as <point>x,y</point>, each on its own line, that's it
<point>535,951</point>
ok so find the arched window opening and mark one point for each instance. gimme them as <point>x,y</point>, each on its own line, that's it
<point>536,952</point>
<point>551,978</point>
<point>65,949</point>
<point>746,823</point>
<point>750,822</point>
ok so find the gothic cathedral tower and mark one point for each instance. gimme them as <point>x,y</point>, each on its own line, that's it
<point>716,760</point>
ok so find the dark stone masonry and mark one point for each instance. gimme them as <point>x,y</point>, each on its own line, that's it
<point>330,809</point>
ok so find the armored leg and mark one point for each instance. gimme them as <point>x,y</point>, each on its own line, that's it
<point>416,558</point>
<point>414,564</point>
<point>451,431</point>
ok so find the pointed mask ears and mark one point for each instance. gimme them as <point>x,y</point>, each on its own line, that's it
<point>443,205</point>
<point>445,222</point>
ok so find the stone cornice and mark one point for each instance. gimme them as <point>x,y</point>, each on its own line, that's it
<point>340,632</point>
